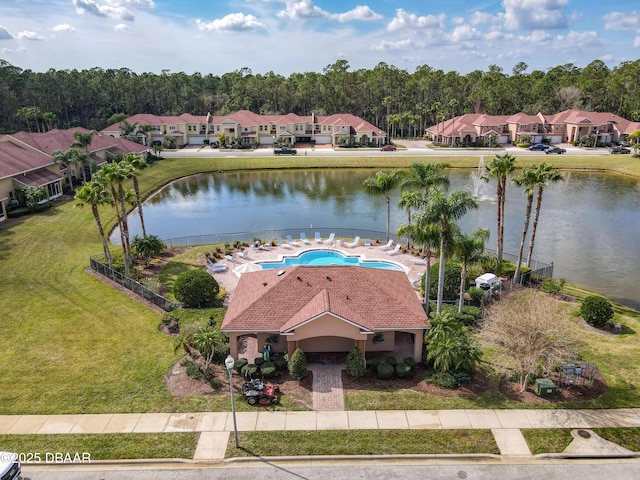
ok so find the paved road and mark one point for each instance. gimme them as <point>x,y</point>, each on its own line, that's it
<point>487,469</point>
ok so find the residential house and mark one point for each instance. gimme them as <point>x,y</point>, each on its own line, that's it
<point>326,309</point>
<point>571,125</point>
<point>26,159</point>
<point>259,130</point>
<point>470,129</point>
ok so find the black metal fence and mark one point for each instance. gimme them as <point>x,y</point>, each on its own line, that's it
<point>135,287</point>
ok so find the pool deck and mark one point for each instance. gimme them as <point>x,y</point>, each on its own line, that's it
<point>410,263</point>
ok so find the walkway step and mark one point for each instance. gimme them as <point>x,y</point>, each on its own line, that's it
<point>510,441</point>
<point>327,387</point>
<point>211,446</point>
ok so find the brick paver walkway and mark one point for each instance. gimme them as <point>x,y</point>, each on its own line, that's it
<point>327,387</point>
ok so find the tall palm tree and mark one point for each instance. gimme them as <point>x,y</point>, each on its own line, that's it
<point>424,176</point>
<point>83,141</point>
<point>444,210</point>
<point>546,174</point>
<point>527,179</point>
<point>383,183</point>
<point>410,200</point>
<point>95,194</point>
<point>138,163</point>
<point>468,249</point>
<point>427,235</point>
<point>500,168</point>
<point>66,159</point>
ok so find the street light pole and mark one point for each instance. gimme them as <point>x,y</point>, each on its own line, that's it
<point>229,362</point>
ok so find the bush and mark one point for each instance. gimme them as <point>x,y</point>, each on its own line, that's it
<point>410,361</point>
<point>196,289</point>
<point>451,281</point>
<point>549,285</point>
<point>443,380</point>
<point>596,310</point>
<point>258,360</point>
<point>239,363</point>
<point>373,363</point>
<point>268,369</point>
<point>249,371</point>
<point>476,295</point>
<point>298,364</point>
<point>403,370</point>
<point>468,316</point>
<point>355,363</point>
<point>384,371</point>
<point>280,363</point>
<point>391,361</point>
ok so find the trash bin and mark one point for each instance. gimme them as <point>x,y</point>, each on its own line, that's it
<point>545,387</point>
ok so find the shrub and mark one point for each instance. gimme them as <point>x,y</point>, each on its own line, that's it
<point>410,361</point>
<point>249,371</point>
<point>239,363</point>
<point>403,370</point>
<point>196,289</point>
<point>443,379</point>
<point>298,364</point>
<point>280,363</point>
<point>549,285</point>
<point>596,310</point>
<point>374,362</point>
<point>355,363</point>
<point>384,371</point>
<point>451,281</point>
<point>468,316</point>
<point>258,361</point>
<point>268,369</point>
<point>391,361</point>
<point>475,294</point>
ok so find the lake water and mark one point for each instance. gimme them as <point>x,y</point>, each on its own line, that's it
<point>589,227</point>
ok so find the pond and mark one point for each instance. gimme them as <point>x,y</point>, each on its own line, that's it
<point>589,225</point>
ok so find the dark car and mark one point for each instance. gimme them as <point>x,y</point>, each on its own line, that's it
<point>556,150</point>
<point>388,148</point>
<point>539,146</point>
<point>623,143</point>
<point>620,150</point>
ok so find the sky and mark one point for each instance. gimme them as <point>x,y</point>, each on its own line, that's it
<point>288,36</point>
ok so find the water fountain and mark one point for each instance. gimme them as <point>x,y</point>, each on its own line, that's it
<point>478,187</point>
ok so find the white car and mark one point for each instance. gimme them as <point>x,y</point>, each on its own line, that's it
<point>9,466</point>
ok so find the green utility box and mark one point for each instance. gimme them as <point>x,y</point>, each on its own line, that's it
<point>545,387</point>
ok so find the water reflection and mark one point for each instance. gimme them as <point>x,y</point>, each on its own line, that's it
<point>589,224</point>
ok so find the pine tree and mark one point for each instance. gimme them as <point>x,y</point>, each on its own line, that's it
<point>298,364</point>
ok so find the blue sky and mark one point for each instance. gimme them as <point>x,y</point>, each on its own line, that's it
<point>285,36</point>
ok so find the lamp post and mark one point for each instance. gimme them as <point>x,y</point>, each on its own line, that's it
<point>229,362</point>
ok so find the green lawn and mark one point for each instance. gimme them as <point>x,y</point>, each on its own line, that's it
<point>71,344</point>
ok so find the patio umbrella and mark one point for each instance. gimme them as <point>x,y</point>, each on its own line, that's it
<point>246,267</point>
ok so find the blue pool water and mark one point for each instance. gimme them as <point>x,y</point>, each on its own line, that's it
<point>327,257</point>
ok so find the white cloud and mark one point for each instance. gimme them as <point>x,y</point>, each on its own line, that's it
<point>29,36</point>
<point>5,34</point>
<point>622,21</point>
<point>121,27</point>
<point>404,20</point>
<point>106,11</point>
<point>63,27</point>
<point>232,22</point>
<point>464,33</point>
<point>386,46</point>
<point>534,14</point>
<point>133,3</point>
<point>361,12</point>
<point>302,9</point>
<point>479,18</point>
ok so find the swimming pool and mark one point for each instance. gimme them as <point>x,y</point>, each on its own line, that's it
<point>327,257</point>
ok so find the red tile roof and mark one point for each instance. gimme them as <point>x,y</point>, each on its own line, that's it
<point>15,159</point>
<point>38,178</point>
<point>373,299</point>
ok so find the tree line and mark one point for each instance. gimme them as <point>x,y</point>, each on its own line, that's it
<point>391,98</point>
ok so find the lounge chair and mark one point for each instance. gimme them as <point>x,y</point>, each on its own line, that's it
<point>330,239</point>
<point>387,245</point>
<point>216,267</point>
<point>244,254</point>
<point>318,238</point>
<point>395,251</point>
<point>303,238</point>
<point>355,243</point>
<point>367,242</point>
<point>291,242</point>
<point>283,244</point>
<point>419,261</point>
<point>231,258</point>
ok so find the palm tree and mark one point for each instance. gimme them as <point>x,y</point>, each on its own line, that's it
<point>635,140</point>
<point>468,249</point>
<point>527,179</point>
<point>427,235</point>
<point>443,210</point>
<point>545,174</point>
<point>408,200</point>
<point>450,346</point>
<point>138,163</point>
<point>500,168</point>
<point>66,159</point>
<point>381,184</point>
<point>83,140</point>
<point>94,194</point>
<point>425,176</point>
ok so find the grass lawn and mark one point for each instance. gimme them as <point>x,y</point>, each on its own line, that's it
<point>71,344</point>
<point>362,442</point>
<point>110,446</point>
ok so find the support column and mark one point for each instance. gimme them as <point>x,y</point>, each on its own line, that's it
<point>291,347</point>
<point>233,345</point>
<point>418,345</point>
<point>362,345</point>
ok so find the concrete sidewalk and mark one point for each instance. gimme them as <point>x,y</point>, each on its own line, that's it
<point>504,424</point>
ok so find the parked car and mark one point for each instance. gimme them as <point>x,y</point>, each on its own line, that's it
<point>557,150</point>
<point>623,143</point>
<point>388,148</point>
<point>9,466</point>
<point>620,149</point>
<point>539,146</point>
<point>285,151</point>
